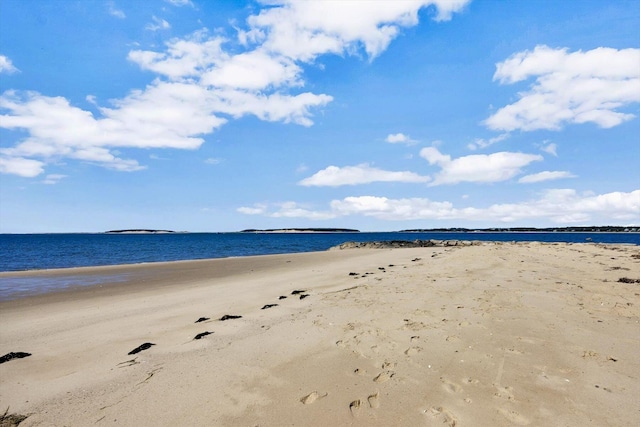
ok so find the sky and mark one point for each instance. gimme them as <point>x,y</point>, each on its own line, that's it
<point>194,115</point>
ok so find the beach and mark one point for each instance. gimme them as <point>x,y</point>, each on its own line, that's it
<point>489,334</point>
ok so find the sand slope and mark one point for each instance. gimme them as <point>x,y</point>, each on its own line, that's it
<point>495,335</point>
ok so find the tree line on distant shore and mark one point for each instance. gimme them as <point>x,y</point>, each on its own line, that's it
<point>581,229</point>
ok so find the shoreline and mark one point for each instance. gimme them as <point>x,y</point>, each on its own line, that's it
<point>117,274</point>
<point>494,334</point>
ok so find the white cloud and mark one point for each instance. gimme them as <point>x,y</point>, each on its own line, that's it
<point>114,11</point>
<point>20,166</point>
<point>576,87</point>
<point>200,84</point>
<point>558,205</point>
<point>157,24</point>
<point>295,210</point>
<point>545,176</point>
<point>184,57</point>
<point>334,176</point>
<point>400,138</point>
<point>302,30</point>
<point>257,209</point>
<point>166,115</point>
<point>53,178</point>
<point>476,168</point>
<point>6,66</point>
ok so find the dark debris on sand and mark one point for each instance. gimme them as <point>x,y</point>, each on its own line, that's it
<point>628,280</point>
<point>229,317</point>
<point>14,355</point>
<point>268,306</point>
<point>141,347</point>
<point>11,420</point>
<point>202,319</point>
<point>202,335</point>
<point>297,292</point>
<point>303,296</point>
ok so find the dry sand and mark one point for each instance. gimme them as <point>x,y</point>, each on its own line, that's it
<point>489,335</point>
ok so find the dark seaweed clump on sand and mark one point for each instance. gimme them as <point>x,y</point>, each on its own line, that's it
<point>11,420</point>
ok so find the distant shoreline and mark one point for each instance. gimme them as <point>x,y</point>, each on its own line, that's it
<point>301,230</point>
<point>142,231</point>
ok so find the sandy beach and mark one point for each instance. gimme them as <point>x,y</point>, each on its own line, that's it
<point>495,334</point>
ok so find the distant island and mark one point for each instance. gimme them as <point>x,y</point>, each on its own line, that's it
<point>582,229</point>
<point>302,230</point>
<point>139,231</point>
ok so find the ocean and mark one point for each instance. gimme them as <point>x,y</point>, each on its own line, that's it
<point>20,252</point>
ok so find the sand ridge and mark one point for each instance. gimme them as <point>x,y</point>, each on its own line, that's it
<point>495,334</point>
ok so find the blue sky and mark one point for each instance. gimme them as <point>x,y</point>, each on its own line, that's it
<point>219,115</point>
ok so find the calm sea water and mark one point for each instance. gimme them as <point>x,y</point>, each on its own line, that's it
<point>45,251</point>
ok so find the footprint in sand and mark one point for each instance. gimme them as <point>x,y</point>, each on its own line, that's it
<point>374,400</point>
<point>412,350</point>
<point>514,417</point>
<point>388,365</point>
<point>450,386</point>
<point>443,414</point>
<point>354,407</point>
<point>312,397</point>
<point>383,377</point>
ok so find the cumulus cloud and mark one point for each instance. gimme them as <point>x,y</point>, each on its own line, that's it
<point>20,166</point>
<point>560,206</point>
<point>6,66</point>
<point>304,30</point>
<point>400,138</point>
<point>569,87</point>
<point>202,81</point>
<point>494,167</point>
<point>334,176</point>
<point>545,176</point>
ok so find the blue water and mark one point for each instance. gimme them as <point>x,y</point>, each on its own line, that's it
<point>44,251</point>
<point>20,252</point>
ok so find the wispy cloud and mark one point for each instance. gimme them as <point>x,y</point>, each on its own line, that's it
<point>577,87</point>
<point>545,176</point>
<point>484,143</point>
<point>550,147</point>
<point>53,179</point>
<point>158,24</point>
<point>180,3</point>
<point>213,161</point>
<point>114,11</point>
